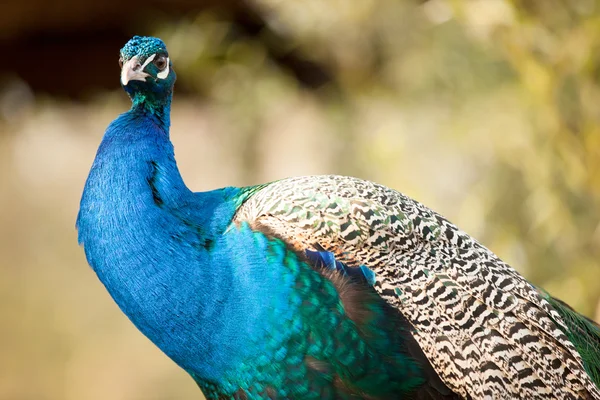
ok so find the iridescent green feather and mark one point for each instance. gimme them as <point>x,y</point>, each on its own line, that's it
<point>246,192</point>
<point>583,333</point>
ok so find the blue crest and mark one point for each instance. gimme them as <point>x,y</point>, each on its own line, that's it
<point>142,46</point>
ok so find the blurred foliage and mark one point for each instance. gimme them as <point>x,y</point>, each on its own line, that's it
<point>485,110</point>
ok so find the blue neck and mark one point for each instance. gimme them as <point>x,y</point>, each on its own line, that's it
<point>151,241</point>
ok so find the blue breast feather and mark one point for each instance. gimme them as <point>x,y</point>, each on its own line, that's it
<point>146,241</point>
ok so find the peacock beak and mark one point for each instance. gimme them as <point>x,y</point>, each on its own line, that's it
<point>133,70</point>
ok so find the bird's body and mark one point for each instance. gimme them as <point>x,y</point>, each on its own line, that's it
<point>234,284</point>
<point>256,317</point>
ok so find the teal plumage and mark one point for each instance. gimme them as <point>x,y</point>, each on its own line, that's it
<point>268,292</point>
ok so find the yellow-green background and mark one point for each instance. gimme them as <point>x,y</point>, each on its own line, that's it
<point>488,111</point>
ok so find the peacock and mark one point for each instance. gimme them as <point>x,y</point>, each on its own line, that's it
<point>315,287</point>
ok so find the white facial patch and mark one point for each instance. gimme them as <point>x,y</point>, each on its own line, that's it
<point>148,61</point>
<point>132,71</point>
<point>164,73</point>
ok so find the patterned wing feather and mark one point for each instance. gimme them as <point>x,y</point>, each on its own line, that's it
<point>487,332</point>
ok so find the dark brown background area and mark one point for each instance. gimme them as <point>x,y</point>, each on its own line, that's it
<point>67,47</point>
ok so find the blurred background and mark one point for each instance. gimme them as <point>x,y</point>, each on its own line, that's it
<point>488,111</point>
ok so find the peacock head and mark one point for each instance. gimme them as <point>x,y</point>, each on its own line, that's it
<point>146,71</point>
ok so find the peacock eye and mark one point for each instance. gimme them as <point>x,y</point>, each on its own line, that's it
<point>121,63</point>
<point>160,62</point>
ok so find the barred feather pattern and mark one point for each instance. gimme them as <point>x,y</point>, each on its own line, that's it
<point>486,331</point>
